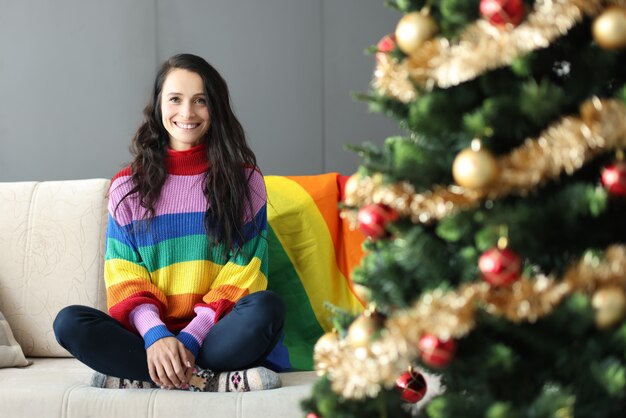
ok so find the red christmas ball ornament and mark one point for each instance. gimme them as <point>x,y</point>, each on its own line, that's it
<point>411,385</point>
<point>386,44</point>
<point>373,220</point>
<point>614,178</point>
<point>435,352</point>
<point>500,266</point>
<point>502,12</point>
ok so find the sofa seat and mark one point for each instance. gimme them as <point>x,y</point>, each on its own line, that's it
<point>59,387</point>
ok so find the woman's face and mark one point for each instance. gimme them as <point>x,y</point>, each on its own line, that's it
<point>184,109</point>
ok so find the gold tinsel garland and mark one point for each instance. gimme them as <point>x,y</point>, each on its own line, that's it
<point>362,372</point>
<point>480,47</point>
<point>564,147</point>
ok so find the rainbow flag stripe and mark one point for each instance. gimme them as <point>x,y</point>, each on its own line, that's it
<point>311,254</point>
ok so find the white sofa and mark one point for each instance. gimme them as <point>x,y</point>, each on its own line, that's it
<point>51,255</point>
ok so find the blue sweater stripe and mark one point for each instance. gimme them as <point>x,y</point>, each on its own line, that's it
<point>165,227</point>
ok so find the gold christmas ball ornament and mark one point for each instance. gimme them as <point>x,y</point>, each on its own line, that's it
<point>365,329</point>
<point>326,342</point>
<point>609,28</point>
<point>350,188</point>
<point>610,305</point>
<point>474,167</point>
<point>364,293</point>
<point>352,185</point>
<point>413,30</point>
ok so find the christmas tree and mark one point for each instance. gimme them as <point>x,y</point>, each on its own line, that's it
<point>496,256</point>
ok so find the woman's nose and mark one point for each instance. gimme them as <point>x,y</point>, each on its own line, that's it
<point>186,111</point>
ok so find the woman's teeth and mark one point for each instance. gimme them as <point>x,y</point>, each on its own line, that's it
<point>186,125</point>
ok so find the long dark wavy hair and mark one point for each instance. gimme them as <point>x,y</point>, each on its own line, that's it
<point>225,183</point>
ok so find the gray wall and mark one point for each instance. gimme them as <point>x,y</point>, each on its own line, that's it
<point>75,75</point>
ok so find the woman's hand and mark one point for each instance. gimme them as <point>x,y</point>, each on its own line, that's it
<point>169,363</point>
<point>190,365</point>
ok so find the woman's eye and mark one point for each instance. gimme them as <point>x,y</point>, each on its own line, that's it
<point>200,101</point>
<point>174,99</point>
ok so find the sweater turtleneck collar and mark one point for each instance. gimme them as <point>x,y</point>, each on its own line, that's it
<point>188,162</point>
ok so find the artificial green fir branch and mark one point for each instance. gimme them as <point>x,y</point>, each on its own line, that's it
<point>341,318</point>
<point>554,218</point>
<point>326,403</point>
<point>397,271</point>
<point>383,105</point>
<point>398,158</point>
<point>451,15</point>
<point>564,148</point>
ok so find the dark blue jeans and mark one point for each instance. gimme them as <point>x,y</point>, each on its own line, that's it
<point>241,339</point>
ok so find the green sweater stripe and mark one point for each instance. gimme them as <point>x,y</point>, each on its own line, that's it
<point>187,248</point>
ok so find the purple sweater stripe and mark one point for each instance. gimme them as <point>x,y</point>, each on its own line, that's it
<point>145,317</point>
<point>200,325</point>
<point>180,194</point>
<point>258,194</point>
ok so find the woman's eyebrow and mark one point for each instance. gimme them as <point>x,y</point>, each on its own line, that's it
<point>180,94</point>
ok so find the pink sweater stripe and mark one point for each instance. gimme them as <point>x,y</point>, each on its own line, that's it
<point>145,317</point>
<point>201,324</point>
<point>180,194</point>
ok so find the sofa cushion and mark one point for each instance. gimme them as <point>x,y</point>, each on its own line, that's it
<point>59,387</point>
<point>10,351</point>
<point>51,252</point>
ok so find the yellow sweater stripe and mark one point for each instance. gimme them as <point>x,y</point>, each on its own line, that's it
<point>200,274</point>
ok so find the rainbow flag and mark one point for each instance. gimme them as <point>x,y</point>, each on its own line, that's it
<point>311,254</point>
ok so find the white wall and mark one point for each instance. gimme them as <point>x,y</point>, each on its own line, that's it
<point>76,74</point>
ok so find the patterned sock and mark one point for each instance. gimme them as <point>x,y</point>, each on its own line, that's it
<point>258,378</point>
<point>100,380</point>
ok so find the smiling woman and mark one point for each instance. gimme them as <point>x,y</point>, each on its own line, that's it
<point>186,256</point>
<point>184,110</point>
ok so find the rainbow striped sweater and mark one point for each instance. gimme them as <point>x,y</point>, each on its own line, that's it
<point>161,276</point>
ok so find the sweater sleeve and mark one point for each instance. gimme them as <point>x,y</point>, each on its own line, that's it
<point>127,280</point>
<point>192,336</point>
<point>146,319</point>
<point>245,271</point>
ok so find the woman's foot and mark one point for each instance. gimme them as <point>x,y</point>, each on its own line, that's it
<point>100,380</point>
<point>257,378</point>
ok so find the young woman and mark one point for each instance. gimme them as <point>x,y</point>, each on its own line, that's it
<point>186,254</point>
